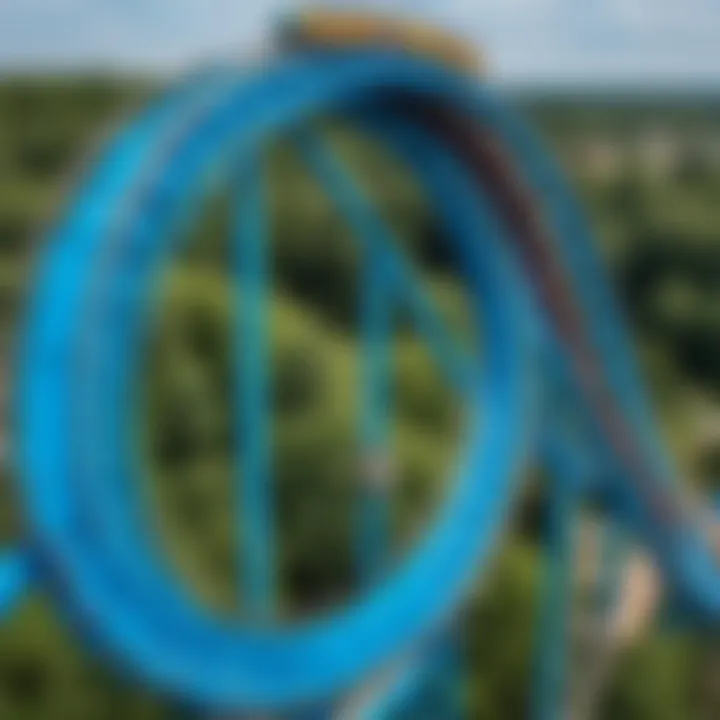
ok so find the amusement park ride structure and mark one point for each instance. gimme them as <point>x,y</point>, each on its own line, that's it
<point>557,385</point>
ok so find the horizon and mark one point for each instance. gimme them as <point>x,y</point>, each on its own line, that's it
<point>594,90</point>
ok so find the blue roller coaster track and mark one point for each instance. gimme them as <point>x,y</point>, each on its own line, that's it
<point>557,384</point>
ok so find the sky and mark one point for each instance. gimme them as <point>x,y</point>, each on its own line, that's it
<point>634,42</point>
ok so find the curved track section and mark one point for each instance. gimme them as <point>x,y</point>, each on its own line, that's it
<point>547,315</point>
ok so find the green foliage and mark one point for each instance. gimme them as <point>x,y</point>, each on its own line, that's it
<point>654,682</point>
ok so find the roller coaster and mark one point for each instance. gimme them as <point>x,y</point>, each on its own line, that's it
<point>556,385</point>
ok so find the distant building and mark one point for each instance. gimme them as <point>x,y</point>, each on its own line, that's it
<point>598,159</point>
<point>709,148</point>
<point>658,153</point>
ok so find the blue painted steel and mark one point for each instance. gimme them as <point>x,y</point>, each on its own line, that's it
<point>374,542</point>
<point>251,248</point>
<point>401,280</point>
<point>427,684</point>
<point>15,576</point>
<point>550,694</point>
<point>388,281</point>
<point>84,520</point>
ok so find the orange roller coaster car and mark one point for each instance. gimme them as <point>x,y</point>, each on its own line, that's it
<point>346,29</point>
